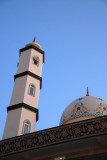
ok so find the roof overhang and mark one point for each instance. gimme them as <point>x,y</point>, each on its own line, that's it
<point>62,140</point>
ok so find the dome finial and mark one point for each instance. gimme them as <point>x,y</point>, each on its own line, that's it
<point>87,92</point>
<point>34,39</point>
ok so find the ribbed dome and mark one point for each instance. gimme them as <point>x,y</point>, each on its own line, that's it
<point>34,44</point>
<point>84,108</point>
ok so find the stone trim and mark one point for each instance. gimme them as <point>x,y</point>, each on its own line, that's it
<point>31,74</point>
<point>9,108</point>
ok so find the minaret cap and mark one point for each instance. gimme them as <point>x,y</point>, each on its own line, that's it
<point>87,92</point>
<point>34,44</point>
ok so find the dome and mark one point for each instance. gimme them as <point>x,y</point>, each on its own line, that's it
<point>34,44</point>
<point>84,108</point>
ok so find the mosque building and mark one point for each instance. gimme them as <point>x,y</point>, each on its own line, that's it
<point>81,135</point>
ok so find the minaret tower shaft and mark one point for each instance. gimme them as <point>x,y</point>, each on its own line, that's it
<point>22,112</point>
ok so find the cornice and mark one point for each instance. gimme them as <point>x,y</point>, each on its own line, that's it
<point>53,136</point>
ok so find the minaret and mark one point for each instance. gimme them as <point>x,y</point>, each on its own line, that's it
<point>22,112</point>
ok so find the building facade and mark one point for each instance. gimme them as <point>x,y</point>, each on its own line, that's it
<point>82,134</point>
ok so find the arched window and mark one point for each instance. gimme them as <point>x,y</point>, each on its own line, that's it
<point>31,90</point>
<point>36,60</point>
<point>26,127</point>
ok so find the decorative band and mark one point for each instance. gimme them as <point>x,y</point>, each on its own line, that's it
<point>31,74</point>
<point>83,115</point>
<point>9,108</point>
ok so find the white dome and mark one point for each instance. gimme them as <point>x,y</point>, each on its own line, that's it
<point>84,108</point>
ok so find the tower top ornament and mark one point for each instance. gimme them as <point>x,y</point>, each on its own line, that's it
<point>87,92</point>
<point>34,39</point>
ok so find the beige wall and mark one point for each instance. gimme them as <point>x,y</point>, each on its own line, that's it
<point>27,115</point>
<point>28,99</point>
<point>18,90</point>
<point>26,62</point>
<point>33,68</point>
<point>21,86</point>
<point>12,123</point>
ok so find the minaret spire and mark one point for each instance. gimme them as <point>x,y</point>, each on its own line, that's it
<point>87,92</point>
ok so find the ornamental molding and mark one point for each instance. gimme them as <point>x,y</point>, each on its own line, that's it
<point>57,135</point>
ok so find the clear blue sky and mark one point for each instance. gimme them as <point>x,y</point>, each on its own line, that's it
<point>73,34</point>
